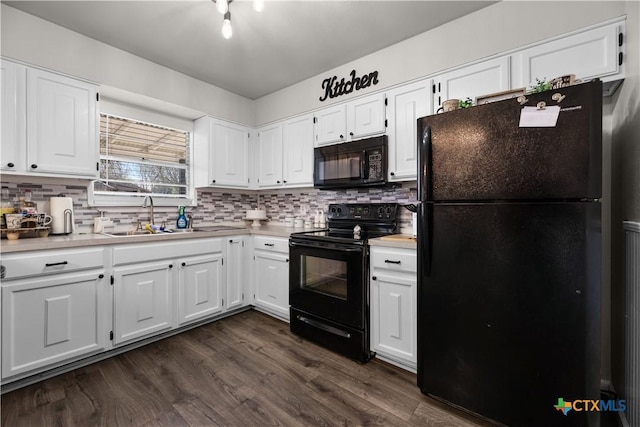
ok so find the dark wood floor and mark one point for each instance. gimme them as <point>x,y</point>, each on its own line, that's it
<point>246,370</point>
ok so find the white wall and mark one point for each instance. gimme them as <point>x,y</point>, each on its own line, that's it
<point>39,42</point>
<point>498,28</point>
<point>625,185</point>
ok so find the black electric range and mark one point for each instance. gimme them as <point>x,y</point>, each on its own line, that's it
<point>329,277</point>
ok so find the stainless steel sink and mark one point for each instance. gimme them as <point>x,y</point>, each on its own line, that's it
<point>218,228</point>
<point>143,233</point>
<point>212,228</point>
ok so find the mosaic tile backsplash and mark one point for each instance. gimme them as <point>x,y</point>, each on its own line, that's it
<point>220,206</point>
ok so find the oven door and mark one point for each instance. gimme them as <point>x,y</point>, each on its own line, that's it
<point>329,280</point>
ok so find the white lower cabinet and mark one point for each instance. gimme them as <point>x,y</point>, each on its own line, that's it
<point>59,306</point>
<point>142,300</point>
<point>158,287</point>
<point>271,270</point>
<point>55,308</point>
<point>394,305</point>
<point>236,275</point>
<point>199,287</point>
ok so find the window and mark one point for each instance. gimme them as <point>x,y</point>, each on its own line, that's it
<point>139,159</point>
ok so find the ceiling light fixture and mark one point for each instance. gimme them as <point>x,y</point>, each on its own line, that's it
<point>223,7</point>
<point>227,31</point>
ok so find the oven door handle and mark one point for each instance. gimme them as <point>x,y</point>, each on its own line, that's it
<point>326,246</point>
<point>326,328</point>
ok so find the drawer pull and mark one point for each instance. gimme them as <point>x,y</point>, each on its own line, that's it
<point>53,264</point>
<point>269,244</point>
<point>388,261</point>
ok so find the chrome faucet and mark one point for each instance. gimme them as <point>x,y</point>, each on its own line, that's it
<point>148,202</point>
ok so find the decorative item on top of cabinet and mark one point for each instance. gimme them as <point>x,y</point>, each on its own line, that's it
<point>50,123</point>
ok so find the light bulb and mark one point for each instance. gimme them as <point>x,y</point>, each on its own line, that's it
<point>227,31</point>
<point>222,6</point>
<point>258,5</point>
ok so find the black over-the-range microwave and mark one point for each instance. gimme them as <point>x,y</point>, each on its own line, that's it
<point>361,163</point>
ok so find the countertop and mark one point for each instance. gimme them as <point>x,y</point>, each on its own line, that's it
<point>400,241</point>
<point>84,240</point>
<point>90,239</point>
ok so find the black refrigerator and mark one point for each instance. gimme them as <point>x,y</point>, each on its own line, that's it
<point>509,250</point>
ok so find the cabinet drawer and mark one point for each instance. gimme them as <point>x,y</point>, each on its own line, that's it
<point>272,244</point>
<point>143,252</point>
<point>394,259</point>
<point>51,262</point>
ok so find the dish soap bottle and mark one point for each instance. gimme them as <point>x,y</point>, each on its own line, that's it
<point>182,219</point>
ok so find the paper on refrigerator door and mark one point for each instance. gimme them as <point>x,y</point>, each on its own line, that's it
<point>534,117</point>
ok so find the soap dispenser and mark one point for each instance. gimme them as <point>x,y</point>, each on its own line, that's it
<point>182,219</point>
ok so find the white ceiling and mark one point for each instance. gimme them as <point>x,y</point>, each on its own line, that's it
<point>288,42</point>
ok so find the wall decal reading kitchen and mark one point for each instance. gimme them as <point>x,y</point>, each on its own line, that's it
<point>334,87</point>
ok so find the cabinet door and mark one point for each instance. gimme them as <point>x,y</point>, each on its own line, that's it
<point>142,300</point>
<point>297,137</point>
<point>270,156</point>
<point>393,316</point>
<point>406,105</point>
<point>13,125</point>
<point>203,152</point>
<point>473,81</point>
<point>51,320</point>
<point>331,125</point>
<point>62,125</point>
<point>366,116</point>
<point>588,55</point>
<point>272,282</point>
<point>236,267</point>
<point>199,287</point>
<point>230,154</point>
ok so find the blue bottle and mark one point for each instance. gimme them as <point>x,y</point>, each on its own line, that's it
<point>182,219</point>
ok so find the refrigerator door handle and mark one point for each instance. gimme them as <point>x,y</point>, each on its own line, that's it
<point>425,227</point>
<point>424,163</point>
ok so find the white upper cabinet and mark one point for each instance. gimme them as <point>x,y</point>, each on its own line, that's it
<point>331,125</point>
<point>297,140</point>
<point>284,153</point>
<point>366,116</point>
<point>353,120</point>
<point>221,154</point>
<point>14,135</point>
<point>594,53</point>
<point>62,126</point>
<point>49,123</point>
<point>230,154</point>
<point>472,81</point>
<point>406,104</point>
<point>269,159</point>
